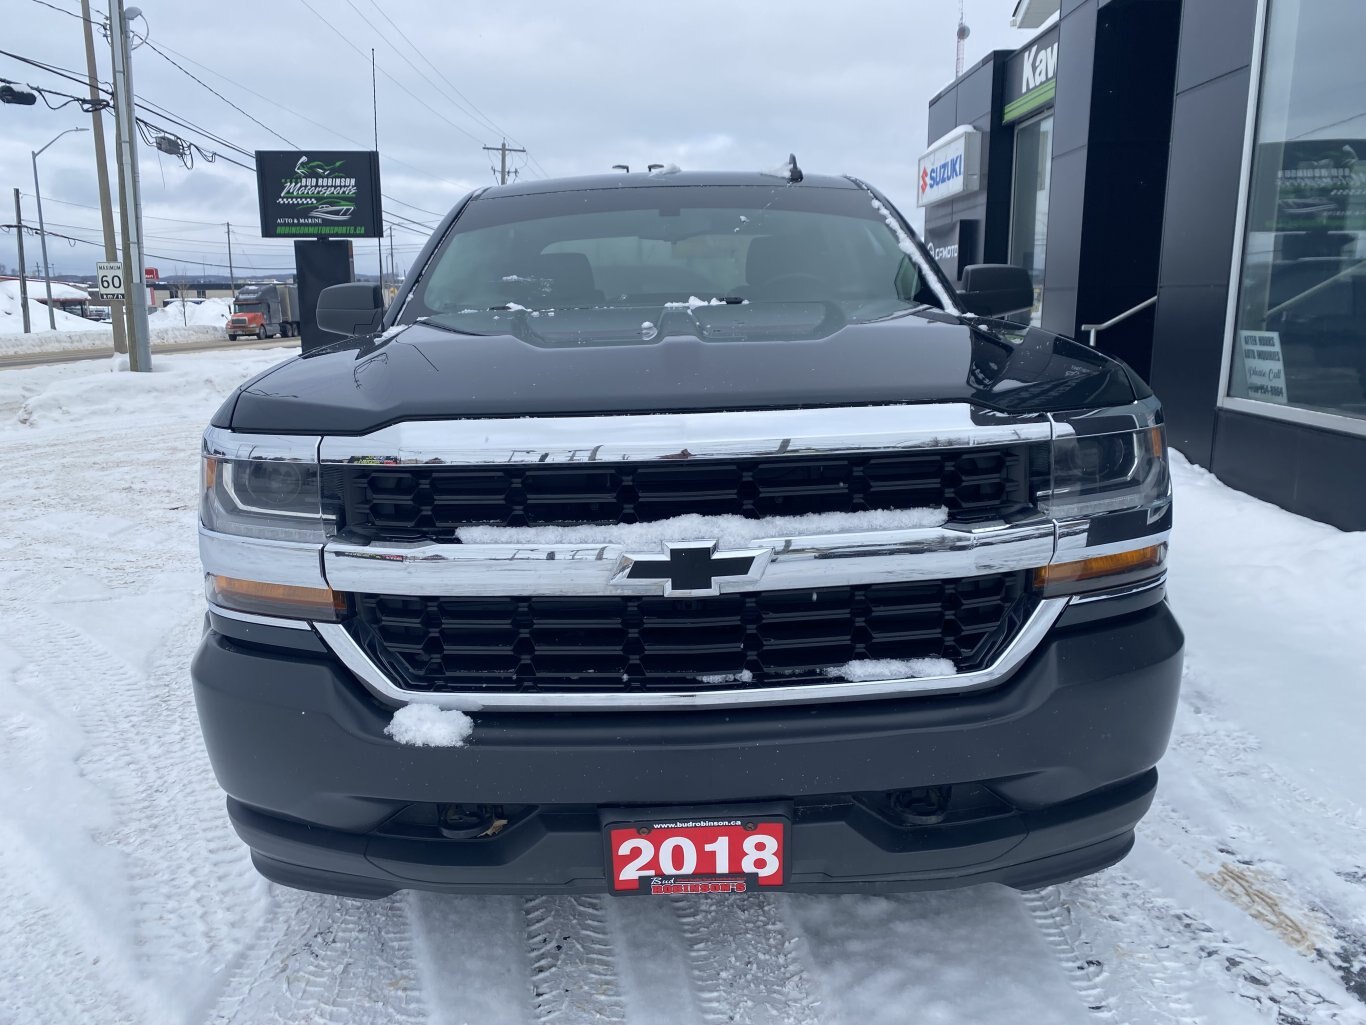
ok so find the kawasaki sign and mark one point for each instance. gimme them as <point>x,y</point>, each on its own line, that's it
<point>319,193</point>
<point>950,168</point>
<point>1031,77</point>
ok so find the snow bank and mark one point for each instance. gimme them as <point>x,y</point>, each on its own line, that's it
<point>177,323</point>
<point>870,669</point>
<point>182,312</point>
<point>90,337</point>
<point>173,386</point>
<point>12,311</point>
<point>429,726</point>
<point>727,531</point>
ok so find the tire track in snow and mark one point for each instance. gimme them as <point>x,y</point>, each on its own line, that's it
<point>655,978</point>
<point>322,959</point>
<point>1080,965</point>
<point>745,961</point>
<point>190,890</point>
<point>1321,929</point>
<point>1235,758</point>
<point>61,943</point>
<point>573,961</point>
<point>1172,962</point>
<point>472,957</point>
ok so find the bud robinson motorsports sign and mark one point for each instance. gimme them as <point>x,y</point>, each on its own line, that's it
<point>319,193</point>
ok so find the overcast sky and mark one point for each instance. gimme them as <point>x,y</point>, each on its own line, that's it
<point>582,84</point>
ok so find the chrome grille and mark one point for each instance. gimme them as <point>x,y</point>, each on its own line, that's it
<point>627,643</point>
<point>435,501</point>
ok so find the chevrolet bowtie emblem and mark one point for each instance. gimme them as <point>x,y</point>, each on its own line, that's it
<point>689,569</point>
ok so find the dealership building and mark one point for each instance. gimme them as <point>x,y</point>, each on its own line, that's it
<point>1188,177</point>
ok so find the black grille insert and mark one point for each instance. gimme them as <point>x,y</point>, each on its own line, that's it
<point>630,643</point>
<point>435,501</point>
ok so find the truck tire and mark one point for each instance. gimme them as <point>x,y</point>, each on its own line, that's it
<point>232,338</point>
<point>261,332</point>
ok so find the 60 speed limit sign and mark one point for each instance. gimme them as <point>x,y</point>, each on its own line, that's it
<point>109,277</point>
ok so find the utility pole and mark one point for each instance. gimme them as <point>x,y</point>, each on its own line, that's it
<point>503,152</point>
<point>392,275</point>
<point>134,277</point>
<point>23,281</point>
<point>232,276</point>
<point>116,308</point>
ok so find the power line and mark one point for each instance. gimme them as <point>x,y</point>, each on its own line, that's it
<point>155,256</point>
<point>406,59</point>
<point>151,107</point>
<point>316,124</point>
<point>54,69</point>
<point>494,126</point>
<point>390,77</point>
<point>70,14</point>
<point>189,74</point>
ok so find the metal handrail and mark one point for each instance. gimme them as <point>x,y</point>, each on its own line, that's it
<point>1295,300</point>
<point>1094,329</point>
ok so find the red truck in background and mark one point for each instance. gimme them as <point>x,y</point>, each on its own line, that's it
<point>265,311</point>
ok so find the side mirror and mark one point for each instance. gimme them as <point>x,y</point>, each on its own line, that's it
<point>351,309</point>
<point>990,289</point>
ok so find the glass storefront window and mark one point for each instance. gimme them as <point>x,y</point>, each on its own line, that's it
<point>1029,202</point>
<point>1299,335</point>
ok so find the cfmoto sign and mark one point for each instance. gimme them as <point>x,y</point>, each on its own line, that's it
<point>950,168</point>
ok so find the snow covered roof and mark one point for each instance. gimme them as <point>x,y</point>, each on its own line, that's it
<point>9,287</point>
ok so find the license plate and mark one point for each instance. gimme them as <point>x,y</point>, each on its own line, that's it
<point>696,852</point>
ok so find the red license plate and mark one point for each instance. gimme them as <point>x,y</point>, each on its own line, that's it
<point>715,853</point>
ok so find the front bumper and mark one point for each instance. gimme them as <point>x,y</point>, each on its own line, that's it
<point>1067,746</point>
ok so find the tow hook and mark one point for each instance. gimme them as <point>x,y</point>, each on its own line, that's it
<point>921,806</point>
<point>469,821</point>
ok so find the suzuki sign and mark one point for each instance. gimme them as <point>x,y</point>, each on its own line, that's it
<point>950,168</point>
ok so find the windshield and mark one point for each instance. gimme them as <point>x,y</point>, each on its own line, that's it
<point>606,251</point>
<point>248,307</point>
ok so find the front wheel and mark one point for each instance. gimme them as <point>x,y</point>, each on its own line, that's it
<point>261,332</point>
<point>232,338</point>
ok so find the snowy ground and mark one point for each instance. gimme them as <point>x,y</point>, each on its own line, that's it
<point>126,898</point>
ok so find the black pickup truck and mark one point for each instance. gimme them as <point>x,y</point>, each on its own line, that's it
<point>757,554</point>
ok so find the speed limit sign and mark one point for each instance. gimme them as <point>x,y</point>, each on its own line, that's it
<point>109,277</point>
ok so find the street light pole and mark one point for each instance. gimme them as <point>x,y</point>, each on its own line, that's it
<point>139,344</point>
<point>42,230</point>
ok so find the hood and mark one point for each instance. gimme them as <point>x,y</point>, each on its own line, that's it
<point>674,362</point>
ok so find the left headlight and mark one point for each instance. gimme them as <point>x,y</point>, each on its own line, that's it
<point>274,498</point>
<point>1109,473</point>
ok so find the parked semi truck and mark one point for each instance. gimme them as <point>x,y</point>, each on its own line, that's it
<point>266,311</point>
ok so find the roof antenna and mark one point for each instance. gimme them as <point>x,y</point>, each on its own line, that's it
<point>794,173</point>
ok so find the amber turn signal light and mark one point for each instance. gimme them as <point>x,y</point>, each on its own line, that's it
<point>288,600</point>
<point>1100,571</point>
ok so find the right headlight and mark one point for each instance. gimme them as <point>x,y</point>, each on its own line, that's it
<point>1096,474</point>
<point>262,492</point>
